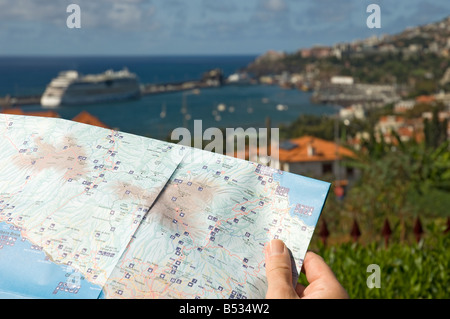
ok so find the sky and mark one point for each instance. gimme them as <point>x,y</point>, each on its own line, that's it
<point>196,27</point>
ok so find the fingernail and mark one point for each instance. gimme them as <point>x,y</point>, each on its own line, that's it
<point>276,247</point>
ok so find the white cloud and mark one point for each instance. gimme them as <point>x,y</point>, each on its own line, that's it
<point>275,5</point>
<point>116,14</point>
<point>185,25</point>
<point>124,14</point>
<point>29,10</point>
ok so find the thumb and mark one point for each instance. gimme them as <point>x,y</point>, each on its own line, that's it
<point>278,271</point>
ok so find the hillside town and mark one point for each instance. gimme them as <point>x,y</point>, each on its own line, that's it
<point>398,85</point>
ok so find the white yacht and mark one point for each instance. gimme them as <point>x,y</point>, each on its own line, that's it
<point>72,88</point>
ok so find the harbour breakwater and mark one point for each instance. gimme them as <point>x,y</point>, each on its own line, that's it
<point>211,78</point>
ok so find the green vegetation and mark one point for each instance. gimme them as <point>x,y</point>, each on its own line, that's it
<point>398,182</point>
<point>421,72</point>
<point>318,126</point>
<point>417,69</point>
<point>406,271</point>
<point>393,179</point>
<point>435,130</point>
<point>325,127</point>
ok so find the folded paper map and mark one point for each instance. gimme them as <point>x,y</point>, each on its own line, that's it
<point>87,212</point>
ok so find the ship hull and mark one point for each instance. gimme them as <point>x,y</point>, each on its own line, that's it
<point>99,99</point>
<point>54,102</point>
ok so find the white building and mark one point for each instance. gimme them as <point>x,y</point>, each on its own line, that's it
<point>338,79</point>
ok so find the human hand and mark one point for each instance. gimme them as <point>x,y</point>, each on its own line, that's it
<point>322,281</point>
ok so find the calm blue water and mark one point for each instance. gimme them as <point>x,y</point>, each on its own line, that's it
<point>245,106</point>
<point>25,272</point>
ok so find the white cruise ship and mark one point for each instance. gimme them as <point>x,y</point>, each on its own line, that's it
<point>71,88</point>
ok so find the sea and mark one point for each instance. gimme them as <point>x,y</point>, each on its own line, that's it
<point>156,116</point>
<point>27,272</point>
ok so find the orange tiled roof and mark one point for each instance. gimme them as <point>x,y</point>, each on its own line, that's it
<point>18,111</point>
<point>300,150</point>
<point>87,118</point>
<point>406,131</point>
<point>391,118</point>
<point>425,99</point>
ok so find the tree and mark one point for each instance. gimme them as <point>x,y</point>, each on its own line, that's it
<point>392,178</point>
<point>435,130</point>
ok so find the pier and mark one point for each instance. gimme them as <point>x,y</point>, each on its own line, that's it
<point>8,101</point>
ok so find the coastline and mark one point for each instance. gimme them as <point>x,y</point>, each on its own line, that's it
<point>18,272</point>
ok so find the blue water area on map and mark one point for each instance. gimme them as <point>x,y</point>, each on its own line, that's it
<point>304,191</point>
<point>25,272</point>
